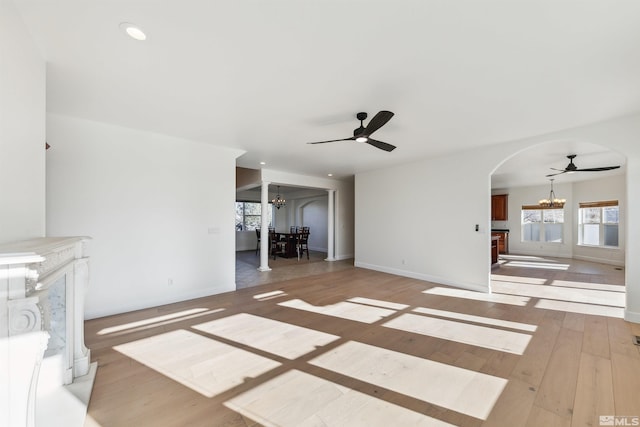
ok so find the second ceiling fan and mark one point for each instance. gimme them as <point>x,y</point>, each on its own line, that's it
<point>571,167</point>
<point>362,134</point>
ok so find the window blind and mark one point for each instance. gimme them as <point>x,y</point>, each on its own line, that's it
<point>602,204</point>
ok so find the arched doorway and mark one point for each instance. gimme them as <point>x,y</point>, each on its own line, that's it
<point>563,260</point>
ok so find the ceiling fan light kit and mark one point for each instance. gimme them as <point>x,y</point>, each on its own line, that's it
<point>363,134</point>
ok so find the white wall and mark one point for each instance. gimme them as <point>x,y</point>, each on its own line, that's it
<point>156,207</point>
<point>425,226</point>
<point>443,247</point>
<point>313,214</point>
<point>22,131</point>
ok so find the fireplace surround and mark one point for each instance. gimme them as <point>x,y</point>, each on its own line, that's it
<point>43,283</point>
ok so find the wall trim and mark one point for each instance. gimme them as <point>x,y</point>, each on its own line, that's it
<point>631,316</point>
<point>186,296</point>
<point>343,257</point>
<point>422,276</point>
<point>599,260</point>
<point>577,257</point>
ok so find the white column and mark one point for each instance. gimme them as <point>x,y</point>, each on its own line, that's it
<point>81,354</point>
<point>331,214</point>
<point>264,228</point>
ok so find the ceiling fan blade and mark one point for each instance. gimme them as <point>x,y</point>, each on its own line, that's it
<point>377,122</point>
<point>561,170</point>
<point>381,145</point>
<point>554,174</point>
<point>604,168</point>
<point>333,140</point>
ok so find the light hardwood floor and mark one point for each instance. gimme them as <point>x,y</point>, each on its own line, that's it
<point>358,347</point>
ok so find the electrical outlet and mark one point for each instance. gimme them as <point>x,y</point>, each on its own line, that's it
<point>170,282</point>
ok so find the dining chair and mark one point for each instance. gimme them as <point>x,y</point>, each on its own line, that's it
<point>303,242</point>
<point>258,236</point>
<point>276,245</point>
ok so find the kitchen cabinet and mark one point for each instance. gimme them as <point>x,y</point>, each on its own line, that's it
<point>503,240</point>
<point>494,250</point>
<point>499,207</point>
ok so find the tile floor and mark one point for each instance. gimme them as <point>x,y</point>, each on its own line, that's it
<point>282,269</point>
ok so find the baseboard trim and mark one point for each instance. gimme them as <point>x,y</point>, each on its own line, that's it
<point>185,296</point>
<point>425,277</point>
<point>599,260</point>
<point>631,316</point>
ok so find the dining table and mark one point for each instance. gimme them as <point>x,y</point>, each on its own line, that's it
<point>290,244</point>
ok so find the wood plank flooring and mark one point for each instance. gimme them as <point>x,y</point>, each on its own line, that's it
<point>357,347</point>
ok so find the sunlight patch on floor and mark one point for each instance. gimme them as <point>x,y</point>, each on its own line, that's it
<point>477,319</point>
<point>518,279</point>
<point>450,387</point>
<point>542,265</point>
<point>589,296</point>
<point>378,303</point>
<point>203,364</point>
<point>480,336</point>
<point>585,285</point>
<point>269,295</point>
<point>343,310</point>
<point>576,307</point>
<point>159,320</point>
<point>524,257</point>
<point>284,339</point>
<point>478,296</point>
<point>280,402</point>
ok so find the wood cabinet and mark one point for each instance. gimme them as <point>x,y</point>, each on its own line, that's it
<point>503,241</point>
<point>494,250</point>
<point>499,207</point>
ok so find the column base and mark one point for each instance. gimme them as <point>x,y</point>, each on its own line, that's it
<point>264,269</point>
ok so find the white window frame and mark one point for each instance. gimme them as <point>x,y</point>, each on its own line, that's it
<point>542,231</point>
<point>602,205</point>
<point>244,222</point>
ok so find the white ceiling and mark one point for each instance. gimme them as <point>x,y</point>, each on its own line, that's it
<point>268,76</point>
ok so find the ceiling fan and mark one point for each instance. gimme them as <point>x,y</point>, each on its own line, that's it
<point>573,168</point>
<point>362,133</point>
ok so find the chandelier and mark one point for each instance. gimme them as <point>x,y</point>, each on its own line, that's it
<point>279,202</point>
<point>552,201</point>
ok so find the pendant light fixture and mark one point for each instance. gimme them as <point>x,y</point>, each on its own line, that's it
<point>552,201</point>
<point>279,202</point>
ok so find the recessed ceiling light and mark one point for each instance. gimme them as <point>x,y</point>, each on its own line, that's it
<point>263,163</point>
<point>133,31</point>
<point>329,174</point>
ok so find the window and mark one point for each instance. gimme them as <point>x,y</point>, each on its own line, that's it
<point>542,224</point>
<point>598,224</point>
<point>249,217</point>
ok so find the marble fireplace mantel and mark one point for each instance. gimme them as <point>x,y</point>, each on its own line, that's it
<point>43,283</point>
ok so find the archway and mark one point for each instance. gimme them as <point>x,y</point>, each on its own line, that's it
<point>522,176</point>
